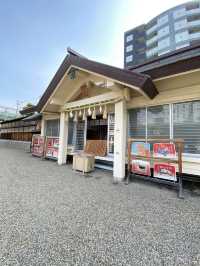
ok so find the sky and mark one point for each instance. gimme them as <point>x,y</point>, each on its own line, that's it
<point>34,36</point>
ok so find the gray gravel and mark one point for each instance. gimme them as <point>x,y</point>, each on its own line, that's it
<point>52,216</point>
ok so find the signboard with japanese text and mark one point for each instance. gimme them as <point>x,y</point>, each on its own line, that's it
<point>165,171</point>
<point>141,167</point>
<point>52,145</point>
<point>38,143</point>
<point>164,150</point>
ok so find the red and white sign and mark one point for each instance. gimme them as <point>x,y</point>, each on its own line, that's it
<point>52,145</point>
<point>164,150</point>
<point>38,145</point>
<point>141,167</point>
<point>165,171</point>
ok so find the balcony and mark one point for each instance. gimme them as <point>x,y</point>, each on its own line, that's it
<point>152,52</point>
<point>193,12</point>
<point>152,40</point>
<point>194,36</point>
<point>152,29</point>
<point>193,23</point>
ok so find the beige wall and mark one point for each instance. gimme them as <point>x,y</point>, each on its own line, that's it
<point>181,88</point>
<point>185,87</point>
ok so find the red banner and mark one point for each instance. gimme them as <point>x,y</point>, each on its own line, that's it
<point>164,150</point>
<point>141,167</point>
<point>165,171</point>
<point>38,145</point>
<point>52,145</point>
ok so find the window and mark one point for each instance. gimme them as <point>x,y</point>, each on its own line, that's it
<point>79,135</point>
<point>52,128</point>
<point>162,20</point>
<point>152,52</point>
<point>163,43</point>
<point>137,123</point>
<point>180,120</point>
<point>163,32</point>
<point>152,122</point>
<point>179,13</point>
<point>182,36</point>
<point>71,126</point>
<point>194,30</point>
<point>129,48</point>
<point>193,17</point>
<point>180,24</point>
<point>186,125</point>
<point>76,134</point>
<point>129,58</point>
<point>111,128</point>
<point>129,37</point>
<point>158,122</point>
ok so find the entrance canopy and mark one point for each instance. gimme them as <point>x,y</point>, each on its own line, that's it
<point>76,72</point>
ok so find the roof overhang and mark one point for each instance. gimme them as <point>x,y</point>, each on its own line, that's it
<point>136,81</point>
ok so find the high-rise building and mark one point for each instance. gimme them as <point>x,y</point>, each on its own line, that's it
<point>175,28</point>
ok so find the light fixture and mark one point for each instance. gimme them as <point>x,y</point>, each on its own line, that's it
<point>105,114</point>
<point>71,114</point>
<point>75,117</point>
<point>89,111</point>
<point>84,115</point>
<point>94,114</point>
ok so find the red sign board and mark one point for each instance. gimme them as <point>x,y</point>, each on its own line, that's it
<point>164,150</point>
<point>52,145</point>
<point>165,171</point>
<point>38,145</point>
<point>141,167</point>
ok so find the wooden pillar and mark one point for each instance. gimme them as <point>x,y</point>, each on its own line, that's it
<point>120,141</point>
<point>63,138</point>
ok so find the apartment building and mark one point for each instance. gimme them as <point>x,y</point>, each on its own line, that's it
<point>175,28</point>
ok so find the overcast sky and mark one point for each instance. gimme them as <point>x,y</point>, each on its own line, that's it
<point>34,35</point>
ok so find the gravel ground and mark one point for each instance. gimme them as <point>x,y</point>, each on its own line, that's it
<point>52,216</point>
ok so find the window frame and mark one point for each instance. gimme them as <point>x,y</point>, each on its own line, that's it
<point>129,37</point>
<point>171,124</point>
<point>129,56</point>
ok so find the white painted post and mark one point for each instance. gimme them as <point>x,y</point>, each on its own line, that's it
<point>43,125</point>
<point>120,141</point>
<point>63,138</point>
